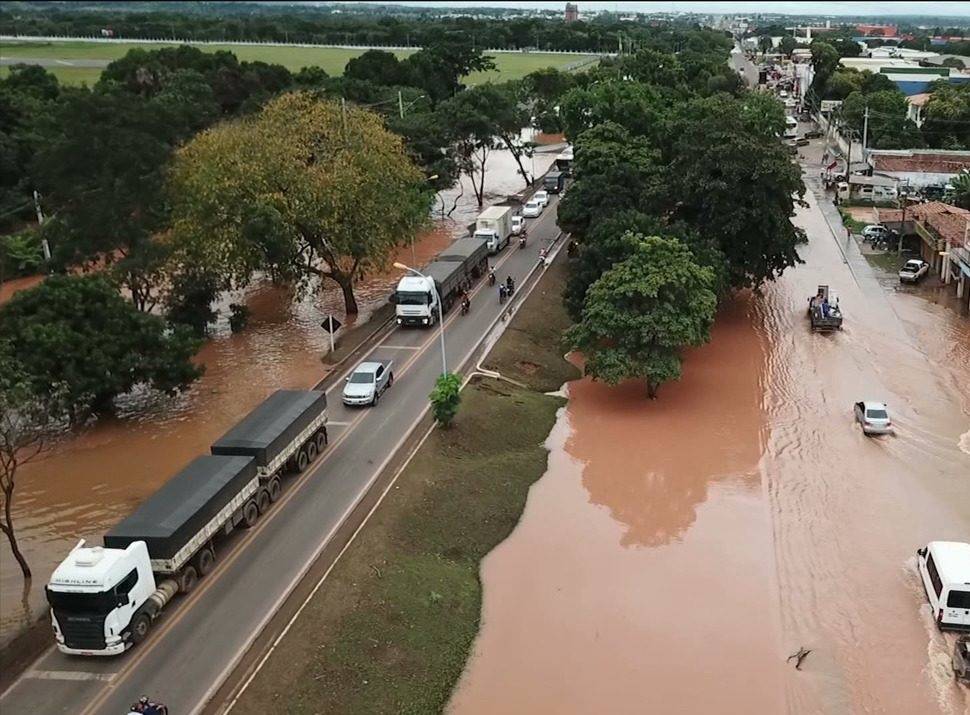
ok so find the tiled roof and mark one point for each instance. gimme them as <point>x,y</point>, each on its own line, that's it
<point>888,215</point>
<point>922,163</point>
<point>919,99</point>
<point>947,222</point>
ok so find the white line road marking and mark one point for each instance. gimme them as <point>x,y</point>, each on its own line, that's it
<point>64,62</point>
<point>68,675</point>
<point>332,423</point>
<point>400,347</point>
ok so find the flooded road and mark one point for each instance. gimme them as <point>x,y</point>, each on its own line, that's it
<point>677,552</point>
<point>93,478</point>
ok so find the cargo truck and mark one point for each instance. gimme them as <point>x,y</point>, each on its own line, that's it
<point>472,253</point>
<point>104,599</point>
<point>417,297</point>
<point>494,226</point>
<point>554,182</point>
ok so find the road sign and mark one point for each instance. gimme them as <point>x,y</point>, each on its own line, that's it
<point>331,325</point>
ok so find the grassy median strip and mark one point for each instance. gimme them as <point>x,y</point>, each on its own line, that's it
<point>392,627</point>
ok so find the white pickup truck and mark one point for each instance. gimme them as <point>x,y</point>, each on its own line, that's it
<point>913,271</point>
<point>368,382</point>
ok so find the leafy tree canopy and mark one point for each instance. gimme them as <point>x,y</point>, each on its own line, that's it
<point>640,314</point>
<point>78,340</point>
<point>303,188</point>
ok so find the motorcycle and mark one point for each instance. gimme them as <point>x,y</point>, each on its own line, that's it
<point>466,305</point>
<point>522,241</point>
<point>491,278</point>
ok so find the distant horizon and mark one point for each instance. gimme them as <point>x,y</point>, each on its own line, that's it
<point>834,9</point>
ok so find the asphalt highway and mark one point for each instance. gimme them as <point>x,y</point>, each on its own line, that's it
<point>199,639</point>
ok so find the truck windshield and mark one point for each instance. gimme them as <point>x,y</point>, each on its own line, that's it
<point>362,378</point>
<point>412,298</point>
<point>102,602</point>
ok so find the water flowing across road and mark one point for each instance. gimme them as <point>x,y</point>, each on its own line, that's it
<point>677,552</point>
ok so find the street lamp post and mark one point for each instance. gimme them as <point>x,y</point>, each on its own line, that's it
<point>441,319</point>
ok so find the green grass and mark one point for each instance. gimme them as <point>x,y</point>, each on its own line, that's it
<point>72,76</point>
<point>391,629</point>
<point>331,59</point>
<point>888,261</point>
<point>851,223</point>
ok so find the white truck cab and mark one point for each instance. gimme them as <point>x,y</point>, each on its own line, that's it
<point>94,595</point>
<point>944,567</point>
<point>417,301</point>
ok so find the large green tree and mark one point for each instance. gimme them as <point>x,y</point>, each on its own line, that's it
<point>640,314</point>
<point>305,188</point>
<point>730,177</point>
<point>633,105</point>
<point>609,242</point>
<point>615,171</point>
<point>947,116</point>
<point>889,127</point>
<point>78,340</point>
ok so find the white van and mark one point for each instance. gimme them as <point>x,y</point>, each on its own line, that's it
<point>945,569</point>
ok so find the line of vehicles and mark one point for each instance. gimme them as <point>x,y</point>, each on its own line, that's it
<point>104,599</point>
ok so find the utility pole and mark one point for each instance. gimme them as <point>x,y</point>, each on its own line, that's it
<point>40,222</point>
<point>343,115</point>
<point>903,197</point>
<point>400,103</point>
<point>865,133</point>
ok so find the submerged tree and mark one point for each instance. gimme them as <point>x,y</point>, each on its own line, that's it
<point>306,187</point>
<point>640,314</point>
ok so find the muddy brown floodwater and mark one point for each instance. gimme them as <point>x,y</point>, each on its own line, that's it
<point>677,552</point>
<point>93,478</point>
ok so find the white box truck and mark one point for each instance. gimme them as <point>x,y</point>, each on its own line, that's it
<point>494,226</point>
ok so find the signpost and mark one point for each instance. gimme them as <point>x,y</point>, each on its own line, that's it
<point>331,325</point>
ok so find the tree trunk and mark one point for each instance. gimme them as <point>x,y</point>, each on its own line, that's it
<point>517,155</point>
<point>346,284</point>
<point>7,528</point>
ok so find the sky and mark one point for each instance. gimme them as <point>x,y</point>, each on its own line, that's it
<point>875,9</point>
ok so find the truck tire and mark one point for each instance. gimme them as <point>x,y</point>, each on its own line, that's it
<point>250,514</point>
<point>377,398</point>
<point>302,460</point>
<point>140,625</point>
<point>275,489</point>
<point>322,440</point>
<point>263,501</point>
<point>205,561</point>
<point>390,380</point>
<point>311,449</point>
<point>187,579</point>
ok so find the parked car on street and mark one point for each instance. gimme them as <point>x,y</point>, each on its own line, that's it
<point>518,223</point>
<point>913,270</point>
<point>874,418</point>
<point>542,197</point>
<point>368,382</point>
<point>875,230</point>
<point>532,209</point>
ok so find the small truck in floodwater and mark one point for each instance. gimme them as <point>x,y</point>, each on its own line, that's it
<point>824,313</point>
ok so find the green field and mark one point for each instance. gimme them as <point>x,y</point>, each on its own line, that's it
<point>331,59</point>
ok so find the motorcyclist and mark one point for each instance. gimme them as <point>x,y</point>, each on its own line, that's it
<point>466,302</point>
<point>491,276</point>
<point>144,705</point>
<point>502,293</point>
<point>509,285</point>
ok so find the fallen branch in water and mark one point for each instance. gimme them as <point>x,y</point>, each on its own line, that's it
<point>799,657</point>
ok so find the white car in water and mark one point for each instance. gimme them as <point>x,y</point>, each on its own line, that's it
<point>532,209</point>
<point>913,271</point>
<point>874,418</point>
<point>542,197</point>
